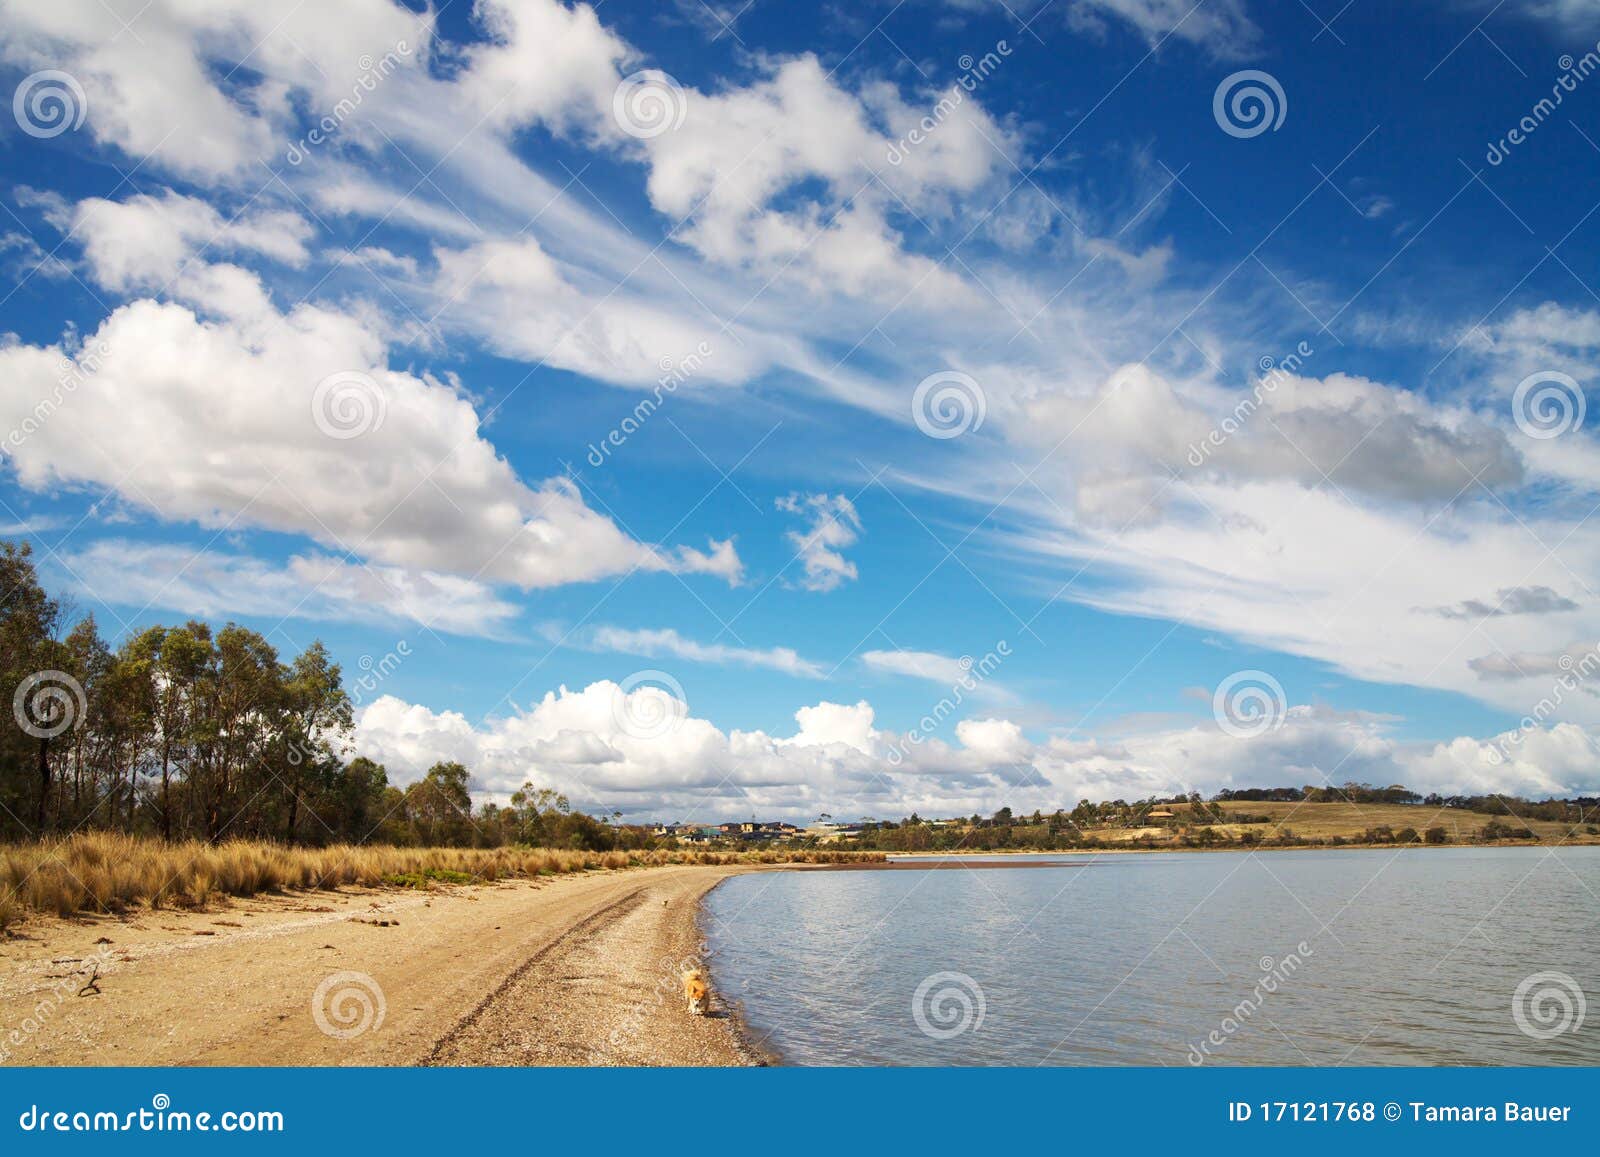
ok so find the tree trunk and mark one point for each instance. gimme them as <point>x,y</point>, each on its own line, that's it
<point>166,800</point>
<point>44,779</point>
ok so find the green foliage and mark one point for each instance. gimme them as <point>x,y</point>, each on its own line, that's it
<point>189,733</point>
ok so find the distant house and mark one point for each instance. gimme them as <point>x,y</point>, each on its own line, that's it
<point>1159,814</point>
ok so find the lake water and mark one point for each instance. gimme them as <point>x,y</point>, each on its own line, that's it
<point>1410,957</point>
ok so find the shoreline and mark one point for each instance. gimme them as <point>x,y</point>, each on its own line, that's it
<point>574,970</point>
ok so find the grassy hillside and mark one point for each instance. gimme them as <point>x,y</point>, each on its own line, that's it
<point>1349,821</point>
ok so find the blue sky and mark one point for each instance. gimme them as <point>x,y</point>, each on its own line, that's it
<point>316,319</point>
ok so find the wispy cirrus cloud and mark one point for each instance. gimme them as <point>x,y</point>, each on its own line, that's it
<point>668,643</point>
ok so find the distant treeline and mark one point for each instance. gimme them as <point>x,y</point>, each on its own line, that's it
<point>1191,821</point>
<point>189,733</point>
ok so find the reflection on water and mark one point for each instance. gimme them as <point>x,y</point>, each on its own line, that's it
<point>1406,957</point>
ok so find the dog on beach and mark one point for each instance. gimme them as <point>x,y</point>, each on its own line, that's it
<point>697,991</point>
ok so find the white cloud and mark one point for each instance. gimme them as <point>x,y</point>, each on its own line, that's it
<point>142,243</point>
<point>216,584</point>
<point>1221,26</point>
<point>927,665</point>
<point>220,422</point>
<point>669,643</point>
<point>159,90</point>
<point>544,63</point>
<point>836,761</point>
<point>519,301</point>
<point>834,526</point>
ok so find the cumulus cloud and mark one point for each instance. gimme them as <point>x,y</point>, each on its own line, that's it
<point>1136,430</point>
<point>837,759</point>
<point>226,421</point>
<point>170,89</point>
<point>834,525</point>
<point>142,243</point>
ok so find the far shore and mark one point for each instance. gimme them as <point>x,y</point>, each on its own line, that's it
<point>1219,849</point>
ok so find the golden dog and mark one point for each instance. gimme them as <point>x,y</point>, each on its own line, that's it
<point>697,991</point>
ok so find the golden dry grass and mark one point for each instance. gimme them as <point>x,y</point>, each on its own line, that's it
<point>1350,820</point>
<point>107,872</point>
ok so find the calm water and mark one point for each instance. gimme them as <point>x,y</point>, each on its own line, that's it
<point>1409,958</point>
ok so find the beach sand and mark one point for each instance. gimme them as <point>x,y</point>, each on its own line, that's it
<point>580,970</point>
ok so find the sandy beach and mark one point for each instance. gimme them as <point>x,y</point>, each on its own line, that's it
<point>579,970</point>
